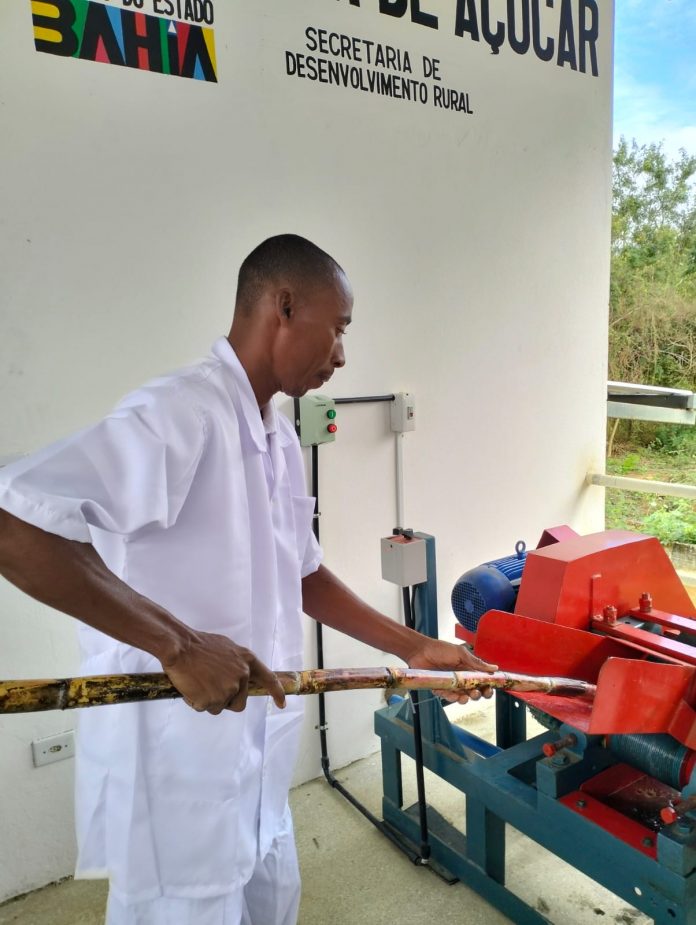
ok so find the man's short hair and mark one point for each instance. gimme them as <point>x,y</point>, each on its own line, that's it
<point>282,257</point>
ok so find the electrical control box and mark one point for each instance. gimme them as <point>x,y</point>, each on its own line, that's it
<point>403,412</point>
<point>315,419</point>
<point>404,560</point>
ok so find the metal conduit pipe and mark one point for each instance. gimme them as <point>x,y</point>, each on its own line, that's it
<point>363,399</point>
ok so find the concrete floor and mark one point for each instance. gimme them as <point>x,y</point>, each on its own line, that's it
<point>352,874</point>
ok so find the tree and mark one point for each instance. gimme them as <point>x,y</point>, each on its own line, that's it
<point>652,334</point>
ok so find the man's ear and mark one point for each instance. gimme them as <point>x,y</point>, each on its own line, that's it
<point>285,303</point>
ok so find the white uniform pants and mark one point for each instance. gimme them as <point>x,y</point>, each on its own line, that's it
<point>271,897</point>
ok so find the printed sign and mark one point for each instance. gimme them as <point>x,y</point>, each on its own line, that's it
<point>566,36</point>
<point>341,60</point>
<point>180,43</point>
<point>571,40</point>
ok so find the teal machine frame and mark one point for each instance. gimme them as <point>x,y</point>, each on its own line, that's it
<point>512,783</point>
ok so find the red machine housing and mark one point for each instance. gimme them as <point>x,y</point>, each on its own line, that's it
<point>607,608</point>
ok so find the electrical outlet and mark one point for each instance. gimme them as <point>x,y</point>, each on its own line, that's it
<point>53,748</point>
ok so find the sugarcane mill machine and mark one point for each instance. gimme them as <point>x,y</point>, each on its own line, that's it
<point>610,786</point>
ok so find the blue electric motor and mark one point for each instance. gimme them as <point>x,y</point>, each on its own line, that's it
<point>491,586</point>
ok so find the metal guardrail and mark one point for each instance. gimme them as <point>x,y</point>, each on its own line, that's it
<point>674,489</point>
<point>631,401</point>
<point>636,402</point>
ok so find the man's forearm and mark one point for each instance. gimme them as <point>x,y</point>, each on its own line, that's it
<point>329,601</point>
<point>72,578</point>
<point>211,671</point>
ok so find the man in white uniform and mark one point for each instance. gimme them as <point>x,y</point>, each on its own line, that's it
<point>178,531</point>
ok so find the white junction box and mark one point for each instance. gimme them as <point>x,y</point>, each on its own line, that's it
<point>403,412</point>
<point>403,560</point>
<point>53,748</point>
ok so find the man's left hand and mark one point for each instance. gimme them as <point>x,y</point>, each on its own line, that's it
<point>441,656</point>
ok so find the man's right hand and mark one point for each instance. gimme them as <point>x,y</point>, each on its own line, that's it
<point>213,674</point>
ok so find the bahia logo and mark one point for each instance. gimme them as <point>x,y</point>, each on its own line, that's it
<point>95,32</point>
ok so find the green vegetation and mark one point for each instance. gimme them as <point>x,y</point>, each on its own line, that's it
<point>652,324</point>
<point>674,525</point>
<point>652,331</point>
<point>670,458</point>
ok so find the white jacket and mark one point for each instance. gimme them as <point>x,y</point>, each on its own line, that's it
<point>199,503</point>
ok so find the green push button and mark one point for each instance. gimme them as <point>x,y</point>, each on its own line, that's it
<point>331,414</point>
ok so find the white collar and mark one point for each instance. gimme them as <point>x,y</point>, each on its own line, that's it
<point>260,423</point>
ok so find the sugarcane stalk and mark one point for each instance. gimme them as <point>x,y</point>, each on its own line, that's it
<point>99,690</point>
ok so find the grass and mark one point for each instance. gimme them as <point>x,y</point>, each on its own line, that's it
<point>670,457</point>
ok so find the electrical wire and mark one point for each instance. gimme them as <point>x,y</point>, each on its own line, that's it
<point>409,617</point>
<point>325,759</point>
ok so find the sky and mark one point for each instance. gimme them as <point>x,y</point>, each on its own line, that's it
<point>655,73</point>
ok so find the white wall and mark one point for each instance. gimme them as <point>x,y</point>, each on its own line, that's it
<point>477,246</point>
